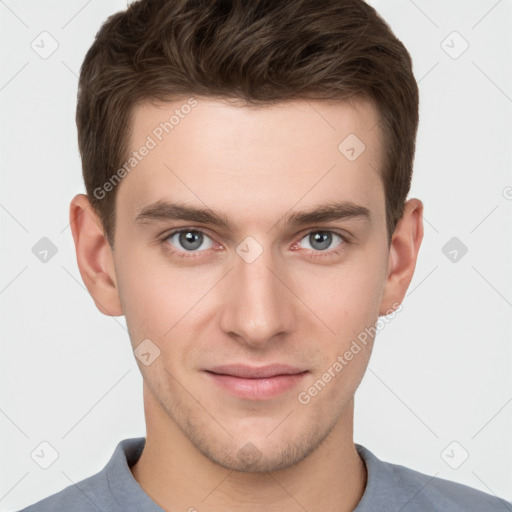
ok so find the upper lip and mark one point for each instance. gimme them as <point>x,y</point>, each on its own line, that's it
<point>255,372</point>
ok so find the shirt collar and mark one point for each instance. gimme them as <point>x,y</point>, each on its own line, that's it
<point>381,480</point>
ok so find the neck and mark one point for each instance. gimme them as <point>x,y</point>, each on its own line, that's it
<point>178,477</point>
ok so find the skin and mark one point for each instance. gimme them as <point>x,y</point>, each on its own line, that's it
<point>294,304</point>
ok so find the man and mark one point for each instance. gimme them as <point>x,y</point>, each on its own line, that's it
<point>247,166</point>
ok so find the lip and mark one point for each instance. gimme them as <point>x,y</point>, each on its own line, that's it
<point>256,383</point>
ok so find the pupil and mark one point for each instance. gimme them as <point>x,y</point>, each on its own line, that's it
<point>187,237</point>
<point>323,238</point>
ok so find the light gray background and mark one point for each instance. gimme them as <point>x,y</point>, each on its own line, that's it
<point>440,371</point>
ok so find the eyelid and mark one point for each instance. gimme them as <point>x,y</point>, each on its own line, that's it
<point>339,232</point>
<point>203,231</point>
<point>327,252</point>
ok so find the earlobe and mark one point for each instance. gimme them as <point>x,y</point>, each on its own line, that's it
<point>403,254</point>
<point>94,256</point>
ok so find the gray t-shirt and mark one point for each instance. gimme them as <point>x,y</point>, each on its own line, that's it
<point>390,488</point>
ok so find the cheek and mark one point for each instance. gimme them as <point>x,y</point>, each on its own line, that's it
<point>161,300</point>
<point>156,294</point>
<point>148,295</point>
<point>346,297</point>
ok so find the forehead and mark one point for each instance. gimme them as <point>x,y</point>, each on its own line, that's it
<point>230,157</point>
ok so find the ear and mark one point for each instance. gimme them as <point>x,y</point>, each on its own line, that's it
<point>94,256</point>
<point>403,253</point>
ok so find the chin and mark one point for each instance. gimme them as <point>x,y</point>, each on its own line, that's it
<point>260,455</point>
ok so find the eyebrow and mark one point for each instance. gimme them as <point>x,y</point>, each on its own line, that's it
<point>165,211</point>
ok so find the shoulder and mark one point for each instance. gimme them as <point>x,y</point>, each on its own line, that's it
<point>113,488</point>
<point>441,494</point>
<point>87,495</point>
<point>410,490</point>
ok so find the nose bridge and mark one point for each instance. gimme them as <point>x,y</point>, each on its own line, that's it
<point>259,305</point>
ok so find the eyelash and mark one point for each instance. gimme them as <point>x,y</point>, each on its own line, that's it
<point>195,254</point>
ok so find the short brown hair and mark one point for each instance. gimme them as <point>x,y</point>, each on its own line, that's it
<point>259,51</point>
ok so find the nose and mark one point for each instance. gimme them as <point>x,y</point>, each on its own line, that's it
<point>259,306</point>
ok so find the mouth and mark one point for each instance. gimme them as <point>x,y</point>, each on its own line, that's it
<point>256,383</point>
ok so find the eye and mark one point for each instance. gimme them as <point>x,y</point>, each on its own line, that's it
<point>189,240</point>
<point>322,240</point>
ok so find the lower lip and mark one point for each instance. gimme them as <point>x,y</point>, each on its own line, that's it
<point>257,389</point>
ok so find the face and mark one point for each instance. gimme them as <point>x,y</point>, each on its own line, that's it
<point>251,307</point>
